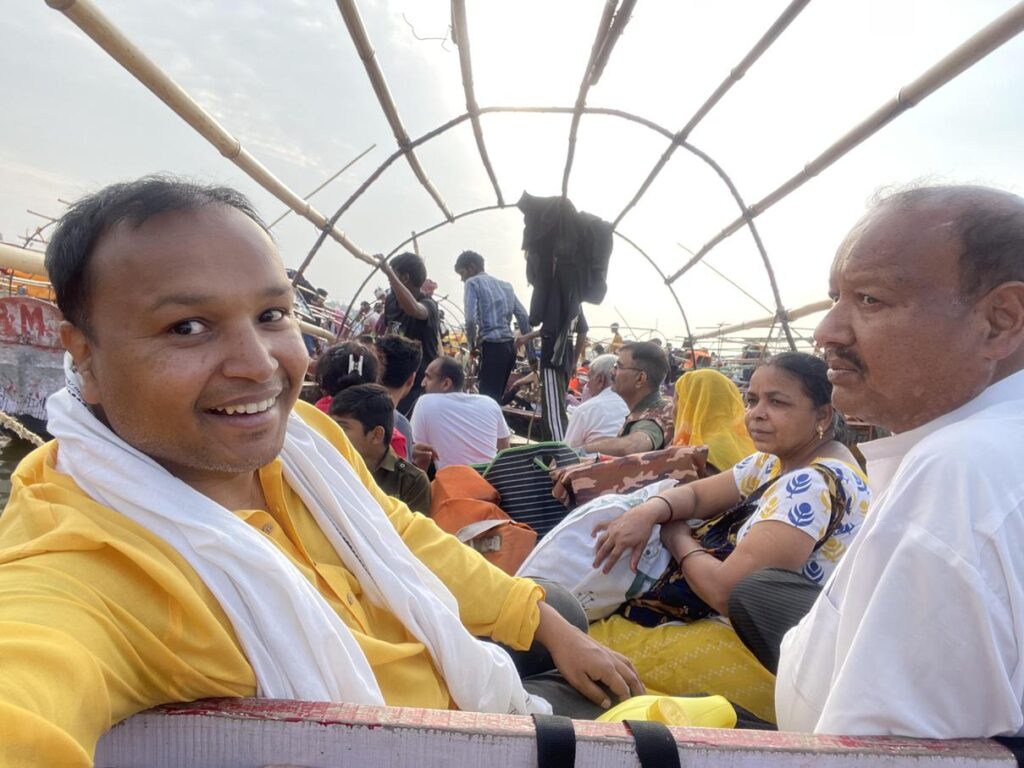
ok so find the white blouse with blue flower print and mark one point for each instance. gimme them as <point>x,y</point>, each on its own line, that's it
<point>800,498</point>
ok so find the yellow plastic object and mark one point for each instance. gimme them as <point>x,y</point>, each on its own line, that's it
<point>699,712</point>
<point>684,659</point>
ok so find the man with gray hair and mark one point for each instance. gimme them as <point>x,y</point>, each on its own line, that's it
<point>919,630</point>
<point>604,412</point>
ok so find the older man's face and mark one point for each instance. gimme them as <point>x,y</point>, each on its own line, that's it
<point>195,358</point>
<point>903,346</point>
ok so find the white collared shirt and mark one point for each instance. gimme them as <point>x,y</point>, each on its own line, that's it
<point>919,631</point>
<point>601,416</point>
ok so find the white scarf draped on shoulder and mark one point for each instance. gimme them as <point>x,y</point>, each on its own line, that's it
<point>297,645</point>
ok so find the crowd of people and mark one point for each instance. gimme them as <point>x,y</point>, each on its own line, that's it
<point>196,529</point>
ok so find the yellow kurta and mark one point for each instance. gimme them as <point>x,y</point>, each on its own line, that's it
<point>100,619</point>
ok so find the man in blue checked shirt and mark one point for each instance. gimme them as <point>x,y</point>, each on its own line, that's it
<point>490,304</point>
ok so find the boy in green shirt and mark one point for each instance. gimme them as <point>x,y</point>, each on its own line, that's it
<point>366,414</point>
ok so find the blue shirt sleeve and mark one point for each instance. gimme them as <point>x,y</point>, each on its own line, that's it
<point>522,318</point>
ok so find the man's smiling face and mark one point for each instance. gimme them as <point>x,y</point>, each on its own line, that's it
<point>193,354</point>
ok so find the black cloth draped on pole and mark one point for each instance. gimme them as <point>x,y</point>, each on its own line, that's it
<point>567,254</point>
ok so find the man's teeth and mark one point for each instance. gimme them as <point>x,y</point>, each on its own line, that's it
<point>259,407</point>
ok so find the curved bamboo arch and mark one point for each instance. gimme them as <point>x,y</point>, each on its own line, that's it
<point>618,113</point>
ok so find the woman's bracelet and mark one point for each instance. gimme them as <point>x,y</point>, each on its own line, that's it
<point>668,504</point>
<point>692,552</point>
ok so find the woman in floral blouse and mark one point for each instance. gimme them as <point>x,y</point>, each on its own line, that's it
<point>795,504</point>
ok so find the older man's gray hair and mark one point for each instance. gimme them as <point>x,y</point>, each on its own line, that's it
<point>602,365</point>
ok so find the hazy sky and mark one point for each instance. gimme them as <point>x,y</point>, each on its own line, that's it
<point>283,76</point>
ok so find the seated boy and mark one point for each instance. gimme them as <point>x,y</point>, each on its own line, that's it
<point>366,414</point>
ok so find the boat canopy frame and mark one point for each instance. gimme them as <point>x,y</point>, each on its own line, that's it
<point>615,16</point>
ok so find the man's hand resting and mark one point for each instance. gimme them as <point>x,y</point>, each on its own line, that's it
<point>584,662</point>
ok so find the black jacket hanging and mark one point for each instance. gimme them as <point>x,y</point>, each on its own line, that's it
<point>567,255</point>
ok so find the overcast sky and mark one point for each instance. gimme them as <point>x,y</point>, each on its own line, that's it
<point>283,76</point>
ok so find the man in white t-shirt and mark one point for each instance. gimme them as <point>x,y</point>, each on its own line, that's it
<point>919,630</point>
<point>460,427</point>
<point>604,412</point>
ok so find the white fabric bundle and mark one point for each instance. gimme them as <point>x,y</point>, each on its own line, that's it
<point>297,645</point>
<point>566,555</point>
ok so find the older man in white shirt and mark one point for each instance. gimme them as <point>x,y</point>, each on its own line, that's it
<point>919,630</point>
<point>604,412</point>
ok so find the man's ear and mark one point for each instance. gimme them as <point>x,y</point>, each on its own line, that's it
<point>376,435</point>
<point>80,347</point>
<point>1003,309</point>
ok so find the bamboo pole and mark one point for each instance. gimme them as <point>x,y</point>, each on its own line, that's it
<point>581,96</point>
<point>370,181</point>
<point>88,18</point>
<point>735,74</point>
<point>460,33</point>
<point>957,61</point>
<point>344,168</point>
<point>618,24</point>
<point>22,259</point>
<point>758,243</point>
<point>33,262</point>
<point>737,286</point>
<point>357,31</point>
<point>686,322</point>
<point>761,322</point>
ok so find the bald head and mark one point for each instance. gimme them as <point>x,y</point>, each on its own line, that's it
<point>987,225</point>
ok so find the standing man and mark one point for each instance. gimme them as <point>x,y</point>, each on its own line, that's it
<point>919,631</point>
<point>604,412</point>
<point>409,311</point>
<point>616,342</point>
<point>650,425</point>
<point>490,304</point>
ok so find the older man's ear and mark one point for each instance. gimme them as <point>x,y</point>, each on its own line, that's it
<point>1003,309</point>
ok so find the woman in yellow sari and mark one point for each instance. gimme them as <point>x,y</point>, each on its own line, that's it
<point>709,411</point>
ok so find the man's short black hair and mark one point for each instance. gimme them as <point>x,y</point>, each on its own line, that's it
<point>345,365</point>
<point>412,265</point>
<point>470,259</point>
<point>133,203</point>
<point>449,368</point>
<point>369,404</point>
<point>649,358</point>
<point>401,358</point>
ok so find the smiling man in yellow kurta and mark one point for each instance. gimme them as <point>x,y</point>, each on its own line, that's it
<point>179,323</point>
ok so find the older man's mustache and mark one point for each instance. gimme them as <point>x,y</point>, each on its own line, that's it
<point>845,354</point>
